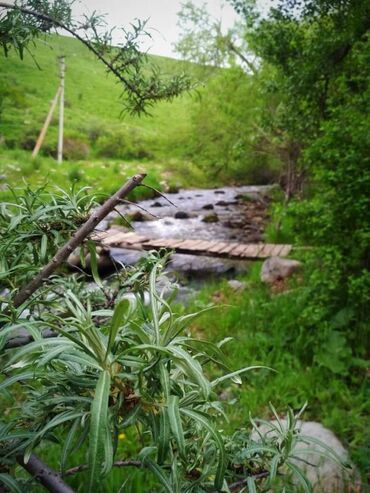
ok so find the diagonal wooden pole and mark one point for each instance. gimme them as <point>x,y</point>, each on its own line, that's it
<point>41,137</point>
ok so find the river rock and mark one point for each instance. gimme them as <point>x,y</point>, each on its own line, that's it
<point>181,215</point>
<point>236,285</point>
<point>156,204</point>
<point>208,207</point>
<point>139,216</point>
<point>324,473</point>
<point>210,218</point>
<point>277,268</point>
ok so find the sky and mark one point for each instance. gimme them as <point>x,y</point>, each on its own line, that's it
<point>162,16</point>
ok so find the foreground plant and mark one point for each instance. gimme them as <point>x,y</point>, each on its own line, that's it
<point>120,361</point>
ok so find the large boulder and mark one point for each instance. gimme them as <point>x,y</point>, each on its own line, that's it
<point>277,269</point>
<point>325,474</point>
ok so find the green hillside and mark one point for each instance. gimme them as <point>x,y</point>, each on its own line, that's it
<point>97,133</point>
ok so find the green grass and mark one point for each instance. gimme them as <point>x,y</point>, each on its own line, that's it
<point>102,145</point>
<point>103,176</point>
<point>266,330</point>
<point>93,99</point>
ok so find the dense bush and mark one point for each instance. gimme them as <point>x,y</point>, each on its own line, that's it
<point>225,138</point>
<point>122,144</point>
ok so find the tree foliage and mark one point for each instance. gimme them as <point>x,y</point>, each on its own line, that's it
<point>319,52</point>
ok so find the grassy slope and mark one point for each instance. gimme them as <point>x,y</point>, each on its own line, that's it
<point>92,95</point>
<point>92,106</point>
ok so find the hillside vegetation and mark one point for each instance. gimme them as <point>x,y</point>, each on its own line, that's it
<point>97,132</point>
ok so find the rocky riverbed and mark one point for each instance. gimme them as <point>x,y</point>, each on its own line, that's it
<point>229,213</point>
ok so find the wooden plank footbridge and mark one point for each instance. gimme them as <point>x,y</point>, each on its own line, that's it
<point>216,248</point>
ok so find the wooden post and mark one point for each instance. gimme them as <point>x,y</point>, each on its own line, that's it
<point>41,137</point>
<point>61,110</point>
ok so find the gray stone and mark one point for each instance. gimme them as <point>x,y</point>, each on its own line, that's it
<point>277,268</point>
<point>208,207</point>
<point>181,215</point>
<point>139,216</point>
<point>236,285</point>
<point>324,473</point>
<point>210,218</point>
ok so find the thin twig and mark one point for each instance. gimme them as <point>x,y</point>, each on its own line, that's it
<point>119,463</point>
<point>158,192</point>
<point>243,482</point>
<point>76,240</point>
<point>139,207</point>
<point>49,478</point>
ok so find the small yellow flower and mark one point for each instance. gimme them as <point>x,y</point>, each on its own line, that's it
<point>121,436</point>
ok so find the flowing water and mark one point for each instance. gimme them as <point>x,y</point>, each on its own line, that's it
<point>225,214</point>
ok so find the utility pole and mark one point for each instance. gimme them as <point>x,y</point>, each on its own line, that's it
<point>41,137</point>
<point>61,110</point>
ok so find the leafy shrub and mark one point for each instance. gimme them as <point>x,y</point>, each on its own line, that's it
<point>122,145</point>
<point>75,149</point>
<point>115,365</point>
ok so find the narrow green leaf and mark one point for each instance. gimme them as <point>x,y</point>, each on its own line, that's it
<point>306,485</point>
<point>251,485</point>
<point>68,442</point>
<point>175,422</point>
<point>10,483</point>
<point>43,248</point>
<point>274,467</point>
<point>154,302</point>
<point>236,373</point>
<point>159,474</point>
<point>117,320</point>
<point>16,378</point>
<point>192,368</point>
<point>98,430</point>
<point>164,436</point>
<point>94,263</point>
<point>206,423</point>
<point>331,454</point>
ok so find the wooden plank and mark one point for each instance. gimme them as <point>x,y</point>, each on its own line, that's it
<point>266,251</point>
<point>187,244</point>
<point>252,250</point>
<point>115,239</point>
<point>275,251</point>
<point>162,243</point>
<point>219,246</point>
<point>136,239</point>
<point>194,245</point>
<point>285,250</point>
<point>239,248</point>
<point>203,246</point>
<point>229,248</point>
<point>154,243</point>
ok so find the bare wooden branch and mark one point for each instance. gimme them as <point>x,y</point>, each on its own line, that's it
<point>118,463</point>
<point>49,478</point>
<point>76,239</point>
<point>242,482</point>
